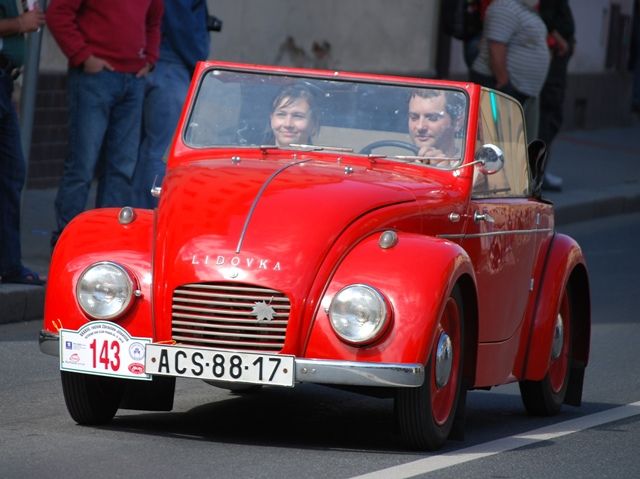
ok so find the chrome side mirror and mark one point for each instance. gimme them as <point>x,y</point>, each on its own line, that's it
<point>490,158</point>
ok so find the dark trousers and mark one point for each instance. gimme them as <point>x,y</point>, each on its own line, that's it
<point>552,99</point>
<point>12,176</point>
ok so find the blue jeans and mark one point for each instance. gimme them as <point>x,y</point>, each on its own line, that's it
<point>12,175</point>
<point>165,92</point>
<point>105,111</point>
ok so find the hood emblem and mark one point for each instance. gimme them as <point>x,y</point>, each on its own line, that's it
<point>263,311</point>
<point>235,261</point>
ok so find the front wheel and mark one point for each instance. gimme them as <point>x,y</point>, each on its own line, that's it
<point>426,414</point>
<point>91,400</point>
<point>545,398</point>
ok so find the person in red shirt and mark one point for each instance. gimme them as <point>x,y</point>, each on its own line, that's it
<point>111,46</point>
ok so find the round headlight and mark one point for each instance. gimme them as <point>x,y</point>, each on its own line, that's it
<point>358,313</point>
<point>104,290</point>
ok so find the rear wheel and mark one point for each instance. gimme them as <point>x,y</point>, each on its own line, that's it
<point>426,414</point>
<point>91,400</point>
<point>545,398</point>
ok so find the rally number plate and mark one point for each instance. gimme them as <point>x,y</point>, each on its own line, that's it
<point>221,365</point>
<point>103,348</point>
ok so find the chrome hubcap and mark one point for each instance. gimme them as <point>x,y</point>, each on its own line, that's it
<point>558,338</point>
<point>444,360</point>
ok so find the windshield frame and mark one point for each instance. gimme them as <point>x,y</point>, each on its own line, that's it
<point>335,78</point>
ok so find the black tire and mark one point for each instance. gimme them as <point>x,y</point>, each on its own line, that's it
<point>426,415</point>
<point>545,398</point>
<point>91,400</point>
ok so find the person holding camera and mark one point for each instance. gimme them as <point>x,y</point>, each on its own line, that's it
<point>111,46</point>
<point>185,41</point>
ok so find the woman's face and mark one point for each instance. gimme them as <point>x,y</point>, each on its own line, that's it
<point>291,122</point>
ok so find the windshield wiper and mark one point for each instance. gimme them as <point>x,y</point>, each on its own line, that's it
<point>302,146</point>
<point>424,159</point>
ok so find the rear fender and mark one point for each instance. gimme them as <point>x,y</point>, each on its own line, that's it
<point>91,237</point>
<point>415,276</point>
<point>565,268</point>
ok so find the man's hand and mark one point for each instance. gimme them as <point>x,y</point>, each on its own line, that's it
<point>561,45</point>
<point>144,71</point>
<point>432,154</point>
<point>96,65</point>
<point>32,20</point>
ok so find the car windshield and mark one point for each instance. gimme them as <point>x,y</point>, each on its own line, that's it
<point>407,123</point>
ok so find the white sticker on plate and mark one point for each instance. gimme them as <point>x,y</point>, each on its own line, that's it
<point>105,349</point>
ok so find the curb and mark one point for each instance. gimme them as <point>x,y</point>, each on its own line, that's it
<point>587,204</point>
<point>20,302</point>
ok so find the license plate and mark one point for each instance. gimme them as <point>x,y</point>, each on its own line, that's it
<point>104,349</point>
<point>221,365</point>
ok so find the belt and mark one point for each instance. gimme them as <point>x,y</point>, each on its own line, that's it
<point>7,66</point>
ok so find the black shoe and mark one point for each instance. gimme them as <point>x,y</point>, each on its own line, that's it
<point>551,182</point>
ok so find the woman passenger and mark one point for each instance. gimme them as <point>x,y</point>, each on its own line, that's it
<point>293,118</point>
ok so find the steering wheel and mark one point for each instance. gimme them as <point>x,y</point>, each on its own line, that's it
<point>392,143</point>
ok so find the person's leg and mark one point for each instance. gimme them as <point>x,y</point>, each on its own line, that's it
<point>90,98</point>
<point>12,176</point>
<point>531,113</point>
<point>551,111</point>
<point>165,94</point>
<point>552,99</point>
<point>635,101</point>
<point>122,142</point>
<point>470,49</point>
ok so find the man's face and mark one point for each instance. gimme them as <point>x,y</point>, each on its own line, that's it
<point>430,126</point>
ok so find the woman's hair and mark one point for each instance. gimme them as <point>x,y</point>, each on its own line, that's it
<point>286,96</point>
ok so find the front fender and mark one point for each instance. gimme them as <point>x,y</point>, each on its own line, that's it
<point>415,276</point>
<point>93,236</point>
<point>565,268</point>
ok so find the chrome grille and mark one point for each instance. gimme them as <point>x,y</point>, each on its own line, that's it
<point>220,315</point>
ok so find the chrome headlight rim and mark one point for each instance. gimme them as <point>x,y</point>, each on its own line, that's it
<point>130,284</point>
<point>382,324</point>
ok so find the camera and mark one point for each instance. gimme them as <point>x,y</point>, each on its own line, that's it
<point>214,24</point>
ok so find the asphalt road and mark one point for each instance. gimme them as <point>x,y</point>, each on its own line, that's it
<point>316,432</point>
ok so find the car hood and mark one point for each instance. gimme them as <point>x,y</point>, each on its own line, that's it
<point>263,222</point>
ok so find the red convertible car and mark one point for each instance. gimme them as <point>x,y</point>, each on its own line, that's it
<point>370,232</point>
